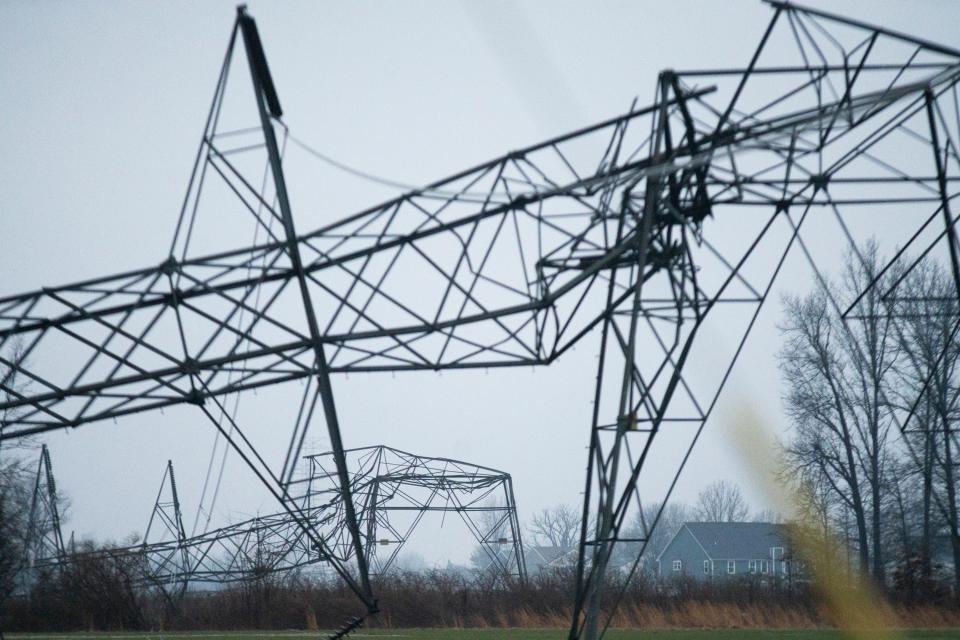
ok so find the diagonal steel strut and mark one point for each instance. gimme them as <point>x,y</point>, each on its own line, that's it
<point>266,99</point>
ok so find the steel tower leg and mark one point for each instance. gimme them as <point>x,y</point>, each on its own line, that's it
<point>268,105</point>
<point>52,501</point>
<point>43,524</point>
<point>170,517</point>
<point>610,463</point>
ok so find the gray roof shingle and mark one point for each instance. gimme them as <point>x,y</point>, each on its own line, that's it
<point>738,540</point>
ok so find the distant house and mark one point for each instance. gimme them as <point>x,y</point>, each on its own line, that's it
<point>539,558</point>
<point>728,550</point>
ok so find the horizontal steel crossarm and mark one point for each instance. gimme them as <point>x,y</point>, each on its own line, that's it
<point>14,322</point>
<point>897,35</point>
<point>132,387</point>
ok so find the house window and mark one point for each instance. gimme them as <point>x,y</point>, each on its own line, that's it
<point>677,565</point>
<point>752,566</point>
<point>776,552</point>
<point>706,567</point>
<point>731,566</point>
<point>764,566</point>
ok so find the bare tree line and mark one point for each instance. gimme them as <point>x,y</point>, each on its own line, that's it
<point>718,501</point>
<point>849,384</point>
<point>15,494</point>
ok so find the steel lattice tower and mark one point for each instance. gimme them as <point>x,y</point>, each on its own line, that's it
<point>44,538</point>
<point>652,229</point>
<point>393,490</point>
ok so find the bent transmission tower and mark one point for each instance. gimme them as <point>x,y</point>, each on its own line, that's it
<point>657,231</point>
<point>393,489</point>
<point>44,538</point>
<point>171,556</point>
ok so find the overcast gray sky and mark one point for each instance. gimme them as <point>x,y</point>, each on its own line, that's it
<point>103,105</point>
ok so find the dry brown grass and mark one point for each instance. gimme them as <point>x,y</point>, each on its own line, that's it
<point>438,600</point>
<point>713,615</point>
<point>698,614</point>
<point>927,617</point>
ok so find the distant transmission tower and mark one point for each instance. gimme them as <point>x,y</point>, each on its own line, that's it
<point>43,539</point>
<point>168,544</point>
<point>394,491</point>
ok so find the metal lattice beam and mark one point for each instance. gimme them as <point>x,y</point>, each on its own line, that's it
<point>393,490</point>
<point>654,228</point>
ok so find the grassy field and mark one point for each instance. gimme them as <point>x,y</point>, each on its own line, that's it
<point>493,634</point>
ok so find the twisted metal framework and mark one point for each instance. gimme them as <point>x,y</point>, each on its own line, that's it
<point>43,538</point>
<point>158,559</point>
<point>393,490</point>
<point>665,224</point>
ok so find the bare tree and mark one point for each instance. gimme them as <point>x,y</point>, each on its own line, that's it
<point>823,448</point>
<point>927,384</point>
<point>871,341</point>
<point>558,526</point>
<point>836,374</point>
<point>14,485</point>
<point>721,501</point>
<point>14,511</point>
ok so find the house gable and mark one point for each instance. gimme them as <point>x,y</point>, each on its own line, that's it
<point>683,555</point>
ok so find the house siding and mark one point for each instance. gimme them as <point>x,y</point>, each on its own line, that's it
<point>687,550</point>
<point>686,547</point>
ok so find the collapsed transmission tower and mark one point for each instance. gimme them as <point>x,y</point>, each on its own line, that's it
<point>172,556</point>
<point>393,489</point>
<point>657,231</point>
<point>44,539</point>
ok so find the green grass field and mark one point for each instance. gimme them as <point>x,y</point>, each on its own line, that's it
<point>491,634</point>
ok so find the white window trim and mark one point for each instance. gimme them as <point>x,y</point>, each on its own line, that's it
<point>731,567</point>
<point>707,568</point>
<point>773,553</point>
<point>677,565</point>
